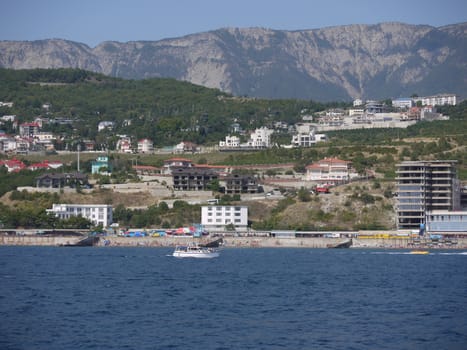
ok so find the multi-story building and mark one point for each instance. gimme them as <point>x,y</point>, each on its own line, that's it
<point>357,102</point>
<point>438,100</point>
<point>425,186</point>
<point>306,136</point>
<point>402,103</point>
<point>61,180</point>
<point>218,217</point>
<point>260,138</point>
<point>235,184</point>
<point>145,146</point>
<point>101,165</point>
<point>186,147</point>
<point>28,129</point>
<point>230,142</point>
<point>172,163</point>
<point>124,145</point>
<point>192,179</point>
<point>98,214</point>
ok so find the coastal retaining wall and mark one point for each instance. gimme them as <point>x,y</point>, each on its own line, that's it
<point>232,242</point>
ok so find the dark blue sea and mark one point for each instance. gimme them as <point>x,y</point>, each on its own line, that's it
<point>141,298</point>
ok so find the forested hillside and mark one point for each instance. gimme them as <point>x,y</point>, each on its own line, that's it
<point>164,110</point>
<point>168,111</point>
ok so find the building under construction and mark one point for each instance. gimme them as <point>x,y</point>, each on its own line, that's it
<point>425,186</point>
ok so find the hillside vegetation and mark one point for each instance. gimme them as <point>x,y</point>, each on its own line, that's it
<point>168,111</point>
<point>164,110</point>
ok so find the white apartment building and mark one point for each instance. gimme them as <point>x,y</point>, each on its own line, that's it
<point>98,214</point>
<point>438,100</point>
<point>230,142</point>
<point>7,144</point>
<point>145,146</point>
<point>306,136</point>
<point>218,217</point>
<point>260,138</point>
<point>402,103</point>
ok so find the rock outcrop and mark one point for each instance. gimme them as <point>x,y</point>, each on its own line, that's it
<point>336,63</point>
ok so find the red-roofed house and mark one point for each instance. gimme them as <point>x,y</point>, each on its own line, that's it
<point>29,129</point>
<point>330,170</point>
<point>124,145</point>
<point>37,166</point>
<point>146,169</point>
<point>13,165</point>
<point>46,165</point>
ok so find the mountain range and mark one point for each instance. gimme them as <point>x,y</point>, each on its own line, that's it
<point>339,63</point>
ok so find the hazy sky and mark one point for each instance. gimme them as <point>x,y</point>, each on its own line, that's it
<point>94,21</point>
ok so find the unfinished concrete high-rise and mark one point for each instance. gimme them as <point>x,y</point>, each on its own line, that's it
<point>424,186</point>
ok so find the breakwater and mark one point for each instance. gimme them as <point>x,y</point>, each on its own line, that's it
<point>230,242</point>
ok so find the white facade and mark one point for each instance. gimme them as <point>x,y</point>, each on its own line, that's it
<point>105,125</point>
<point>330,170</point>
<point>260,138</point>
<point>145,146</point>
<point>8,118</point>
<point>307,139</point>
<point>218,217</point>
<point>124,145</point>
<point>8,144</point>
<point>357,102</point>
<point>98,214</point>
<point>438,100</point>
<point>402,103</point>
<point>44,136</point>
<point>356,111</point>
<point>230,142</point>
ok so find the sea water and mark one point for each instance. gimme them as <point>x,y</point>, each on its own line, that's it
<point>142,298</point>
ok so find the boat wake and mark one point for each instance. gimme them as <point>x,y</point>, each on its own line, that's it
<point>412,253</point>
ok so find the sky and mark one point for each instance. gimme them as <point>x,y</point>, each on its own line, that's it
<point>94,21</point>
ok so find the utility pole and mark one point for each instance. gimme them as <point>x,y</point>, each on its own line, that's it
<point>79,148</point>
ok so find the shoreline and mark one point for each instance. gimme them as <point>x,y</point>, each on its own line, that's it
<point>229,242</point>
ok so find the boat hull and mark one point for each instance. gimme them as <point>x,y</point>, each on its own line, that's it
<point>195,251</point>
<point>197,255</point>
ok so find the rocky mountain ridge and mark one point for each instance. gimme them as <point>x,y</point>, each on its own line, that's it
<point>335,63</point>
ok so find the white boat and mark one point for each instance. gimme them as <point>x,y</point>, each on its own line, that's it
<point>195,251</point>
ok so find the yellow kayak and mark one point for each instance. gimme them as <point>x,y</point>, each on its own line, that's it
<point>421,252</point>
